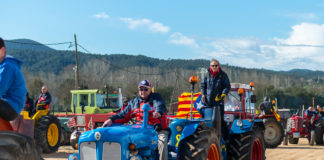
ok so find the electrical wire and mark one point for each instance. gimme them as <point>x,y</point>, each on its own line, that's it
<point>47,44</point>
<point>120,68</point>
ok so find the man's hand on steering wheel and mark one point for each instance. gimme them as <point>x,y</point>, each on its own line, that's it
<point>156,115</point>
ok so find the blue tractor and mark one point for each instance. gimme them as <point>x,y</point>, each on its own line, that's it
<point>190,138</point>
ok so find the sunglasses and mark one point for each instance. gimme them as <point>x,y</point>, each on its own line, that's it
<point>143,89</point>
<point>214,65</point>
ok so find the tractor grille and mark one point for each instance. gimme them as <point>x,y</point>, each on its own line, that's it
<point>298,123</point>
<point>80,120</point>
<point>109,148</point>
<point>88,151</point>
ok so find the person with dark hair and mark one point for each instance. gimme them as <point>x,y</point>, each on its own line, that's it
<point>12,85</point>
<point>29,105</point>
<point>214,88</point>
<point>133,110</point>
<point>266,106</point>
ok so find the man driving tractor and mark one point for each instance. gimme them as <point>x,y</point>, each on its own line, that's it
<point>133,110</point>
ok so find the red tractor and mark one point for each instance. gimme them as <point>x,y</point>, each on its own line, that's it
<point>309,125</point>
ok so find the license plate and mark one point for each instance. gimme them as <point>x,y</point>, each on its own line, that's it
<point>296,134</point>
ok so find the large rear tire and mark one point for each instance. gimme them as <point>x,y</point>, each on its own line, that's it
<point>17,146</point>
<point>273,133</point>
<point>318,132</point>
<point>203,144</point>
<point>48,133</point>
<point>247,146</point>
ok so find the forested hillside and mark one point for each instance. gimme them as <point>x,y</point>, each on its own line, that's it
<point>46,66</point>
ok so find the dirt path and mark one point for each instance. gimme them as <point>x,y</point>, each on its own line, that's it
<point>300,151</point>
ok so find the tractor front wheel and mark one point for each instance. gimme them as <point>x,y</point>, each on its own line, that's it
<point>203,144</point>
<point>48,133</point>
<point>247,146</point>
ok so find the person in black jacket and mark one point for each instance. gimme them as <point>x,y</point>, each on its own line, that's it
<point>214,88</point>
<point>44,99</point>
<point>29,105</point>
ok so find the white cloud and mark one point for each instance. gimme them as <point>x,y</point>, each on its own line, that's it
<point>301,16</point>
<point>180,39</point>
<point>146,23</point>
<point>101,15</point>
<point>303,48</point>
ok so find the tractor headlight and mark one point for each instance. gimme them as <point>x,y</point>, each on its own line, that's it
<point>97,136</point>
<point>239,123</point>
<point>135,158</point>
<point>73,157</point>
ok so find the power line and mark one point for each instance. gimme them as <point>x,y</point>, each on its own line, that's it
<point>46,44</point>
<point>120,68</point>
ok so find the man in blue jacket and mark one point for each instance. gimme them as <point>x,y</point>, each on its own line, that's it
<point>12,85</point>
<point>214,88</point>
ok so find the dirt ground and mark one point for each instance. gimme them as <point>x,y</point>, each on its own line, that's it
<point>300,151</point>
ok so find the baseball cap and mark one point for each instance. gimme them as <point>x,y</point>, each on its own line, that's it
<point>144,83</point>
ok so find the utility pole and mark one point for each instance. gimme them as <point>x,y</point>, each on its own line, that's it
<point>76,64</point>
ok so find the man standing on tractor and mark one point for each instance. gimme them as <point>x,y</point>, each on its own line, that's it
<point>44,99</point>
<point>156,118</point>
<point>12,85</point>
<point>214,88</point>
<point>266,106</point>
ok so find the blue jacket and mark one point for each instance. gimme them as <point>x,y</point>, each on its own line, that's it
<point>12,84</point>
<point>213,86</point>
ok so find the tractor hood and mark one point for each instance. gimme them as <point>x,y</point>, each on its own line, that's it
<point>124,134</point>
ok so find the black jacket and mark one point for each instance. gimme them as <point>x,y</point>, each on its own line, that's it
<point>44,98</point>
<point>215,86</point>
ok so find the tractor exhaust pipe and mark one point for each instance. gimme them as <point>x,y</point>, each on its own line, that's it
<point>216,120</point>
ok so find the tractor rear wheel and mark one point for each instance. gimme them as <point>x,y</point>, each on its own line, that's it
<point>48,133</point>
<point>293,140</point>
<point>273,133</point>
<point>17,146</point>
<point>203,144</point>
<point>318,132</point>
<point>247,146</point>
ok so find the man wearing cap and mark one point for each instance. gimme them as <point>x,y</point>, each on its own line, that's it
<point>133,110</point>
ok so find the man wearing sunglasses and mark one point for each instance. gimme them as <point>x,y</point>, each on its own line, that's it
<point>158,109</point>
<point>214,88</point>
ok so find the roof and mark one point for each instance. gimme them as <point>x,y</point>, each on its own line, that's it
<point>85,91</point>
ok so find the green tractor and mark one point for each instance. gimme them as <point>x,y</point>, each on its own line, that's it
<point>88,107</point>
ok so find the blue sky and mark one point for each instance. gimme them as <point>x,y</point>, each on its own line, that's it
<point>278,35</point>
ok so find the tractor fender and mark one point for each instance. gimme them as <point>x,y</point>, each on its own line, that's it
<point>247,126</point>
<point>189,130</point>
